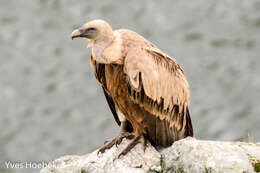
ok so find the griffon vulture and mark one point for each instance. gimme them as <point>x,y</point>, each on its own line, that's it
<point>146,89</point>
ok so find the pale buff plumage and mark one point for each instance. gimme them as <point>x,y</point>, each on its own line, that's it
<point>154,81</point>
<point>158,80</point>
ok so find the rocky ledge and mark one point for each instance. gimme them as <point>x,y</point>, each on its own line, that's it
<point>187,155</point>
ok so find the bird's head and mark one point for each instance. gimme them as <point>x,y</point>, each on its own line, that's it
<point>95,31</point>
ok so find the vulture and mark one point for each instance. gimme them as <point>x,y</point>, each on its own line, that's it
<point>145,88</point>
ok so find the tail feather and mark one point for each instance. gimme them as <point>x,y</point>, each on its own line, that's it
<point>160,133</point>
<point>189,127</point>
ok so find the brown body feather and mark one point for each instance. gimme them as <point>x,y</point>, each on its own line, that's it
<point>140,110</point>
<point>148,87</point>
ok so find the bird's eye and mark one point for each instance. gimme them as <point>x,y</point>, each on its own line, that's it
<point>91,29</point>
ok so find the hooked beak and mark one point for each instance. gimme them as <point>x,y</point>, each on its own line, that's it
<point>78,33</point>
<point>89,33</point>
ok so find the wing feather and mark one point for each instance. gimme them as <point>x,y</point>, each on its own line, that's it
<point>99,70</point>
<point>159,82</point>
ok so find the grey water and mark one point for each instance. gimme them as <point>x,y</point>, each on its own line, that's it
<point>51,104</point>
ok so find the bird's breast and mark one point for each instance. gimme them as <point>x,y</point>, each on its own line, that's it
<point>97,53</point>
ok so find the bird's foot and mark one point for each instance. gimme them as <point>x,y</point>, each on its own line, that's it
<point>137,139</point>
<point>117,140</point>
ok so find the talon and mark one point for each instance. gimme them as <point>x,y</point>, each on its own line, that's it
<point>106,141</point>
<point>101,151</point>
<point>121,154</point>
<point>133,143</point>
<point>117,140</point>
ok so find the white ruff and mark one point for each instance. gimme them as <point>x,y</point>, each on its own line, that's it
<point>107,53</point>
<point>97,52</point>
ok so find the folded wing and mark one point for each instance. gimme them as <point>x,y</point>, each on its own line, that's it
<point>158,84</point>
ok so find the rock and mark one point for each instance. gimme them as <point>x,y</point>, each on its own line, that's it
<point>210,156</point>
<point>187,155</point>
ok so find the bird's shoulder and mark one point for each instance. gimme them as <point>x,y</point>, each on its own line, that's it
<point>134,44</point>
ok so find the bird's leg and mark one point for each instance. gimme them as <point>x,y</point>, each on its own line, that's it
<point>118,139</point>
<point>137,139</point>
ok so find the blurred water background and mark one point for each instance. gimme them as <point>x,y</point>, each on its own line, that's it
<point>51,104</point>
